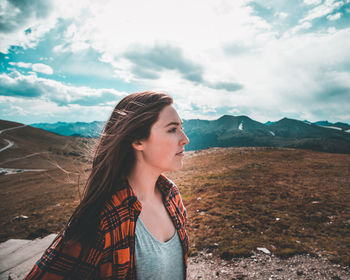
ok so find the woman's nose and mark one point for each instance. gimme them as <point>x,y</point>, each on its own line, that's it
<point>184,140</point>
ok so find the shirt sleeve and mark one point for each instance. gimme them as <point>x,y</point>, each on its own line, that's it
<point>69,260</point>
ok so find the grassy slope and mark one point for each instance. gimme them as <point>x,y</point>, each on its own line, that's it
<point>289,201</point>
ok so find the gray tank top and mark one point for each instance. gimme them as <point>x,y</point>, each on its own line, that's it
<point>155,259</point>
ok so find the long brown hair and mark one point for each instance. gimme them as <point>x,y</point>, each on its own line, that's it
<point>131,120</point>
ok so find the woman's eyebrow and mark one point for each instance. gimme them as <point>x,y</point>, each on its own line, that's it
<point>174,123</point>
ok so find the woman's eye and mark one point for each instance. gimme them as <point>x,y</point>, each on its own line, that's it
<point>174,129</point>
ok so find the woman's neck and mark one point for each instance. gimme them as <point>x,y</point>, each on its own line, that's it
<point>143,180</point>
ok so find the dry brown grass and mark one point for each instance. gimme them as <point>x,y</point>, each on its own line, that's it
<point>233,197</point>
<point>289,201</point>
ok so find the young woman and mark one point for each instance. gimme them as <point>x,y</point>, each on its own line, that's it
<point>131,221</point>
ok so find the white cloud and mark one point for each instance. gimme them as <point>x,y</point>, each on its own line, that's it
<point>282,15</point>
<point>334,17</point>
<point>303,26</point>
<point>42,68</point>
<point>223,42</point>
<point>113,28</point>
<point>25,23</point>
<point>21,64</point>
<point>37,67</point>
<point>35,110</point>
<point>322,10</point>
<point>289,75</point>
<point>312,2</point>
<point>31,86</point>
<point>331,29</point>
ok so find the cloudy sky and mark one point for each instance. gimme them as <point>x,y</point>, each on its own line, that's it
<point>268,59</point>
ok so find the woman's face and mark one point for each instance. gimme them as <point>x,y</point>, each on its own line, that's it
<point>164,149</point>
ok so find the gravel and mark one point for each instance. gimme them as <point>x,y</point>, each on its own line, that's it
<point>264,266</point>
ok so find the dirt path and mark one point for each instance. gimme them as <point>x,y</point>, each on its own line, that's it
<point>11,128</point>
<point>10,143</point>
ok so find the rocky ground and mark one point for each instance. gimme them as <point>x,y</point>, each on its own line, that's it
<point>264,266</point>
<point>17,257</point>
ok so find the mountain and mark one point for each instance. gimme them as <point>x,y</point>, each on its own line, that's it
<point>241,131</point>
<point>323,123</point>
<point>83,129</point>
<point>337,125</point>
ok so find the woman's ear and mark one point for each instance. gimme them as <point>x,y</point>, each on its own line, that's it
<point>138,145</point>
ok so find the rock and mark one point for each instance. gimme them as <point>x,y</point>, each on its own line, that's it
<point>239,276</point>
<point>266,251</point>
<point>39,233</point>
<point>20,218</point>
<point>299,272</point>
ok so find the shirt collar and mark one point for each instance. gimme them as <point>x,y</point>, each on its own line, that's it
<point>126,196</point>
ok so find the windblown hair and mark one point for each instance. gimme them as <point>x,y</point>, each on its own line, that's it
<point>114,157</point>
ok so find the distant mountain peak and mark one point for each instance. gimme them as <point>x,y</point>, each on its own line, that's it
<point>230,117</point>
<point>225,117</point>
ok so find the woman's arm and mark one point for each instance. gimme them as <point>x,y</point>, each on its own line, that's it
<point>69,260</point>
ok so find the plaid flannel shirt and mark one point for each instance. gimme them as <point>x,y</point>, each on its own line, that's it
<point>113,255</point>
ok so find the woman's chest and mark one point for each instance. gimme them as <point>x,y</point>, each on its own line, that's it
<point>157,220</point>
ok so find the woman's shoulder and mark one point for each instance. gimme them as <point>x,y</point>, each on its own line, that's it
<point>116,209</point>
<point>166,185</point>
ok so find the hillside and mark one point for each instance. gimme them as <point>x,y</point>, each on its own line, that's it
<point>33,147</point>
<point>289,201</point>
<point>46,167</point>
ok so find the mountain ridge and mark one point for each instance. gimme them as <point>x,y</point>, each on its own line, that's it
<point>239,131</point>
